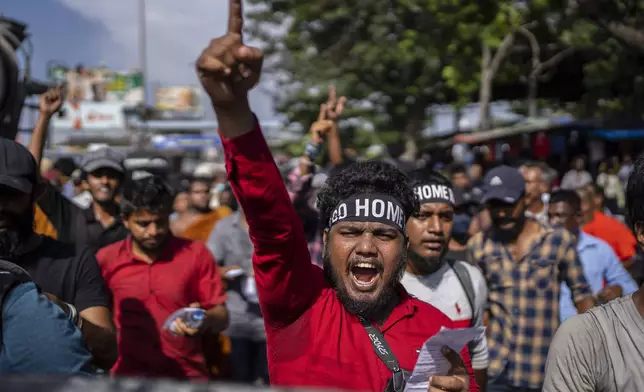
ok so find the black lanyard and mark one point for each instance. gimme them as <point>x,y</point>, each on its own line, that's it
<point>385,354</point>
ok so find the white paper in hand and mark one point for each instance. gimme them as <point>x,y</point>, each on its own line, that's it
<point>431,361</point>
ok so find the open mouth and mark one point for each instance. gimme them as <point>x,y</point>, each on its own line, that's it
<point>365,276</point>
<point>506,224</point>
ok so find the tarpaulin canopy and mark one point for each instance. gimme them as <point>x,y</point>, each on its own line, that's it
<point>619,134</point>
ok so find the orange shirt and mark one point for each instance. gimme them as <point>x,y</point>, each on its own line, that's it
<point>42,224</point>
<point>202,226</point>
<point>618,236</point>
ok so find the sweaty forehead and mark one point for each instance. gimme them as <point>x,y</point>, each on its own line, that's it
<point>363,226</point>
<point>436,208</point>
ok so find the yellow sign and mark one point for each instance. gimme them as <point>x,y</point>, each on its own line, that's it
<point>178,99</point>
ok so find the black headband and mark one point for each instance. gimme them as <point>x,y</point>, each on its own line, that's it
<point>434,193</point>
<point>370,207</point>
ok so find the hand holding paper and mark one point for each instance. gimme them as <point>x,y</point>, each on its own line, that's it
<point>456,380</point>
<point>440,361</point>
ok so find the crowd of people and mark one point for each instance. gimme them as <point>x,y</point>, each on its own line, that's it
<point>328,277</point>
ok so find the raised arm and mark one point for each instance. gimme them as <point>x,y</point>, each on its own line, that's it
<point>287,282</point>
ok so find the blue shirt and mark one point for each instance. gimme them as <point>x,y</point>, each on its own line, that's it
<point>600,264</point>
<point>37,336</point>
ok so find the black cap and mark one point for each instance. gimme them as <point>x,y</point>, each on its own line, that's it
<point>103,158</point>
<point>18,168</point>
<point>503,183</point>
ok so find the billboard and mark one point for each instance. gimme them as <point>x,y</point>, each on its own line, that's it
<point>90,116</point>
<point>98,84</point>
<point>180,99</point>
<point>186,142</point>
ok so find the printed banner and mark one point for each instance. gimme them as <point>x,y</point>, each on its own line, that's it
<point>98,84</point>
<point>186,142</point>
<point>178,99</point>
<point>91,116</point>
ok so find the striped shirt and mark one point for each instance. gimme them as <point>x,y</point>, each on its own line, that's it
<point>523,300</point>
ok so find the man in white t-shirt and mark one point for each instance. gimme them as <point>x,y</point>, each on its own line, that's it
<point>601,350</point>
<point>456,288</point>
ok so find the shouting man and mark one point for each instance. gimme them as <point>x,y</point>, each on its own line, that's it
<point>319,323</point>
<point>454,287</point>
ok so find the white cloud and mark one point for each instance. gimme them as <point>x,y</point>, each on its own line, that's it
<point>177,31</point>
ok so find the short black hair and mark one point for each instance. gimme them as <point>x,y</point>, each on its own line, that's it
<point>567,196</point>
<point>65,166</point>
<point>200,180</point>
<point>150,193</point>
<point>428,176</point>
<point>366,177</point>
<point>457,168</point>
<point>635,193</point>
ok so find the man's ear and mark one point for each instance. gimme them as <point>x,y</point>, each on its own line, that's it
<point>325,236</point>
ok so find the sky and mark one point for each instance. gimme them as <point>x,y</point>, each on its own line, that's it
<point>96,32</point>
<point>106,32</point>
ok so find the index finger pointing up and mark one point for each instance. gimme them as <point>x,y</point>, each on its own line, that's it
<point>235,17</point>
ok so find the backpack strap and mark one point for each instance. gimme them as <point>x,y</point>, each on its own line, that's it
<point>465,278</point>
<point>11,276</point>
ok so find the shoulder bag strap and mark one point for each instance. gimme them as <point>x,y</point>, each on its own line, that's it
<point>383,351</point>
<point>11,275</point>
<point>465,278</point>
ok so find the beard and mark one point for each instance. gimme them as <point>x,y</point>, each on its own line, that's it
<point>153,248</point>
<point>426,265</point>
<point>377,309</point>
<point>510,234</point>
<point>14,237</point>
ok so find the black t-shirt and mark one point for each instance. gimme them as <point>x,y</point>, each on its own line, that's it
<point>67,218</point>
<point>71,275</point>
<point>95,235</point>
<point>75,225</point>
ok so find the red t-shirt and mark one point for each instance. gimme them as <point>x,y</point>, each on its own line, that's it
<point>312,340</point>
<point>145,295</point>
<point>541,146</point>
<point>618,236</point>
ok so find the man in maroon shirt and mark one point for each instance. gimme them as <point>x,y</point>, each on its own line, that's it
<point>333,329</point>
<point>150,275</point>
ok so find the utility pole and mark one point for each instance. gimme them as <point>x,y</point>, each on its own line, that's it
<point>143,49</point>
<point>143,111</point>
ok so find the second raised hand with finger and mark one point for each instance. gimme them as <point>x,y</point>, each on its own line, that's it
<point>334,106</point>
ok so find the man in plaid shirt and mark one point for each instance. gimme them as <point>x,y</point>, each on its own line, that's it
<point>523,262</point>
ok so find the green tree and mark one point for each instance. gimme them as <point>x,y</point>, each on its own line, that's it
<point>614,76</point>
<point>392,59</point>
<point>623,20</point>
